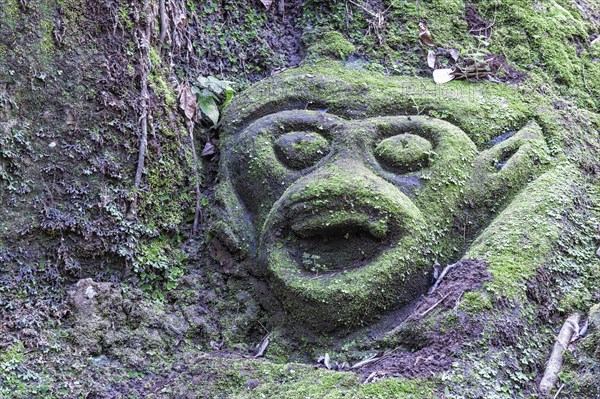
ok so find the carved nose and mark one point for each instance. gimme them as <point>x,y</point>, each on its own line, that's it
<point>346,195</point>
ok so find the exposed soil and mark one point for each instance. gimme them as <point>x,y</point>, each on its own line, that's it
<point>477,25</point>
<point>500,69</point>
<point>436,352</point>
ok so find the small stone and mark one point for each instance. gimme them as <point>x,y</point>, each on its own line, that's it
<point>90,293</point>
<point>594,318</point>
<point>52,144</point>
<point>252,383</point>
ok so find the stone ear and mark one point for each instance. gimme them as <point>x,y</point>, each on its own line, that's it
<point>232,226</point>
<point>504,169</point>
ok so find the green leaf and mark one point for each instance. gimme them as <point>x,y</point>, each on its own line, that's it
<point>203,81</point>
<point>209,108</point>
<point>228,96</point>
<point>196,90</point>
<point>207,94</point>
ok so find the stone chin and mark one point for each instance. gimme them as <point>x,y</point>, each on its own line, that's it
<point>332,253</point>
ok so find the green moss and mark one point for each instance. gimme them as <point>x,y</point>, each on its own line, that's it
<point>10,13</point>
<point>513,249</point>
<point>155,59</point>
<point>296,381</point>
<point>47,41</point>
<point>18,380</point>
<point>160,204</point>
<point>159,266</point>
<point>539,38</point>
<point>476,301</point>
<point>301,149</point>
<point>482,111</point>
<point>332,44</point>
<point>161,87</point>
<point>124,18</point>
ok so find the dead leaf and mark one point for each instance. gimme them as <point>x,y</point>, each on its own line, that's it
<point>431,59</point>
<point>454,54</point>
<point>327,361</point>
<point>263,347</point>
<point>425,35</point>
<point>183,21</point>
<point>187,102</point>
<point>441,76</point>
<point>267,3</point>
<point>209,149</point>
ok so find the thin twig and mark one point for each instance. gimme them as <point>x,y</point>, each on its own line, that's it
<point>434,305</point>
<point>263,347</point>
<point>370,377</point>
<point>458,301</point>
<point>558,392</point>
<point>364,8</point>
<point>362,363</point>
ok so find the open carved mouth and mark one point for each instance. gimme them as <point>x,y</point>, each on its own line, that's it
<point>335,239</point>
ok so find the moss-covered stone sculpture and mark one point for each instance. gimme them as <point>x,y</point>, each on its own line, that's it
<point>342,199</point>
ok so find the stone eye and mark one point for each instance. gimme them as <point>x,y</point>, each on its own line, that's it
<point>404,153</point>
<point>300,150</point>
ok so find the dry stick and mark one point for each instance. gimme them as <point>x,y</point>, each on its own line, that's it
<point>558,392</point>
<point>370,377</point>
<point>197,177</point>
<point>570,327</point>
<point>434,305</point>
<point>364,8</point>
<point>362,363</point>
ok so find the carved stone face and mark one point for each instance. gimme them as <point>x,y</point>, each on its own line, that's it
<point>348,215</point>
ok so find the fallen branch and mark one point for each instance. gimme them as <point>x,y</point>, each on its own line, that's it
<point>362,363</point>
<point>372,376</point>
<point>569,328</point>
<point>442,275</point>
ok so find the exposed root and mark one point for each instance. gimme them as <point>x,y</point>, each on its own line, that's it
<point>144,49</point>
